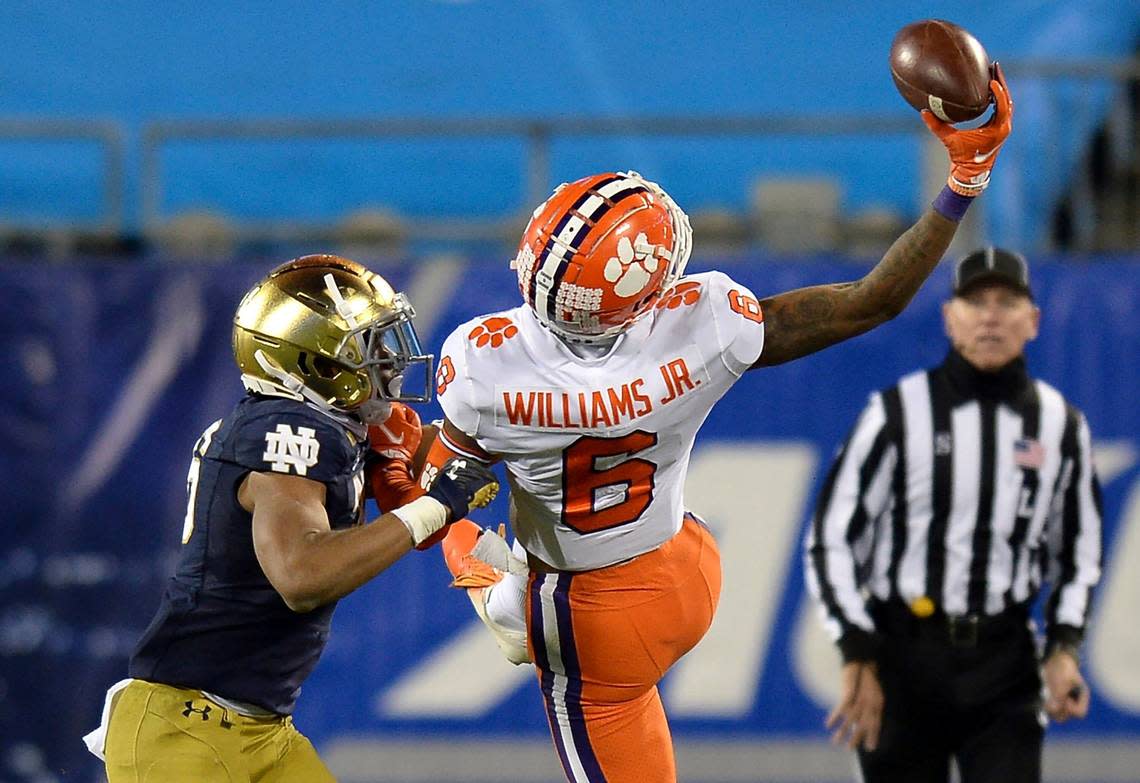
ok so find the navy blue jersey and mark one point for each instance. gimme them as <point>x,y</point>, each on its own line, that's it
<point>221,627</point>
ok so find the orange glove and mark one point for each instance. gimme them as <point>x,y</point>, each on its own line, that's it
<point>391,483</point>
<point>972,152</point>
<point>389,470</point>
<point>399,436</point>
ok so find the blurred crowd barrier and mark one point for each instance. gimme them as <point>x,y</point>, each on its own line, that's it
<point>114,370</point>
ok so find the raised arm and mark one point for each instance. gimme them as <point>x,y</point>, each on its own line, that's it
<point>803,321</point>
<point>806,320</point>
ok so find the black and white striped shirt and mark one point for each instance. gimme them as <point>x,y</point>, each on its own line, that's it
<point>963,487</point>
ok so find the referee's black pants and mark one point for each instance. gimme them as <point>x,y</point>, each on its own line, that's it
<point>971,693</point>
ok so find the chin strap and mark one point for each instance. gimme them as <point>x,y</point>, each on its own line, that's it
<point>289,384</point>
<point>370,412</point>
<point>268,388</point>
<point>302,394</point>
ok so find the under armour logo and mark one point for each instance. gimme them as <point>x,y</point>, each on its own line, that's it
<point>204,712</point>
<point>285,449</point>
<point>454,467</point>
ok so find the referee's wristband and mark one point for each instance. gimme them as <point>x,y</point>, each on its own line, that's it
<point>422,517</point>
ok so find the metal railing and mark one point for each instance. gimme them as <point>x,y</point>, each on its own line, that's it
<point>535,170</point>
<point>111,139</point>
<point>537,134</point>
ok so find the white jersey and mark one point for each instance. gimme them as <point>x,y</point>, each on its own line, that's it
<point>596,449</point>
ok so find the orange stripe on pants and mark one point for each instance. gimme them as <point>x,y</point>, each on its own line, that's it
<point>603,639</point>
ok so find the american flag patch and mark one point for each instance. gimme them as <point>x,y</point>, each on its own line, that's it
<point>1027,453</point>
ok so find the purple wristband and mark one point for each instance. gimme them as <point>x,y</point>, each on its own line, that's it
<point>951,205</point>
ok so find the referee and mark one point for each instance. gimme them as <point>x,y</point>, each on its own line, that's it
<point>958,492</point>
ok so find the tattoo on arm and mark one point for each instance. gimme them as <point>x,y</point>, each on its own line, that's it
<point>806,320</point>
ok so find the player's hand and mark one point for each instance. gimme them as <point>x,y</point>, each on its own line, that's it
<point>390,482</point>
<point>399,436</point>
<point>1066,692</point>
<point>462,485</point>
<point>858,716</point>
<point>973,152</point>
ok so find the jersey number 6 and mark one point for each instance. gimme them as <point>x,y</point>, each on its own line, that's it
<point>603,484</point>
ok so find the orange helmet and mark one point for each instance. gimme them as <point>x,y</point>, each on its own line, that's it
<point>597,254</point>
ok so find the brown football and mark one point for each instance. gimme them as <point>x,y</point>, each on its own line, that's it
<point>939,66</point>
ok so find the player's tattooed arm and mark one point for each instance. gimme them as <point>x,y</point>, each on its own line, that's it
<point>803,321</point>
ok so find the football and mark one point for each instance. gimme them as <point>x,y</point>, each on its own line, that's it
<point>940,66</point>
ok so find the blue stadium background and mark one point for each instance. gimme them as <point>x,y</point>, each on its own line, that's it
<point>116,365</point>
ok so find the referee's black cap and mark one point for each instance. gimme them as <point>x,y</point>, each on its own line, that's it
<point>992,265</point>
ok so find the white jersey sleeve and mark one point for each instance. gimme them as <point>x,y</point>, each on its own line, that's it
<point>455,387</point>
<point>737,320</point>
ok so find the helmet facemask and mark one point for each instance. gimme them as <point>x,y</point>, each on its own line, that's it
<point>390,350</point>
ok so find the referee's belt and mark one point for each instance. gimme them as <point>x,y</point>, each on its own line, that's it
<point>895,618</point>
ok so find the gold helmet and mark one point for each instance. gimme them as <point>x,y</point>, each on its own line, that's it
<point>331,331</point>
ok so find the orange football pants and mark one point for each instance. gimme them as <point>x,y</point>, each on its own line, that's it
<point>601,641</point>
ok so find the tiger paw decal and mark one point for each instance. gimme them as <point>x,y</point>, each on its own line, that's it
<point>633,266</point>
<point>493,331</point>
<point>686,293</point>
<point>444,375</point>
